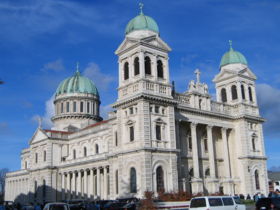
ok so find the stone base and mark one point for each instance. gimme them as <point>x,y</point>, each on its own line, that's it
<point>212,185</point>
<point>228,187</point>
<point>197,185</point>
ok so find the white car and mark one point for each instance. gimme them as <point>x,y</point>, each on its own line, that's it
<point>216,203</point>
<point>56,206</point>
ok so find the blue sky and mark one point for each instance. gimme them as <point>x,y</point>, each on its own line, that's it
<point>41,41</point>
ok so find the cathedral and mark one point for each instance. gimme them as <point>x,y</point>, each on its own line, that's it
<point>155,139</point>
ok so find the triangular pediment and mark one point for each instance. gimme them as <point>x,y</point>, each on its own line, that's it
<point>39,135</point>
<point>226,74</point>
<point>151,41</point>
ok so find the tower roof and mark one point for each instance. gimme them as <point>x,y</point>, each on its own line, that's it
<point>232,56</point>
<point>141,22</point>
<point>77,84</point>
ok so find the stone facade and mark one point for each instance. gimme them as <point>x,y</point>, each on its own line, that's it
<point>155,139</point>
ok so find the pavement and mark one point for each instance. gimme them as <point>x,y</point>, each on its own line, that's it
<point>250,207</point>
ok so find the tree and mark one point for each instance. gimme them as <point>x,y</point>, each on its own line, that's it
<point>3,172</point>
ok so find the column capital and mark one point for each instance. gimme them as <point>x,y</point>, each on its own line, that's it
<point>209,126</point>
<point>194,124</point>
<point>224,129</point>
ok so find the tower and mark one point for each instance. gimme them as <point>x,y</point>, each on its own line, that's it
<point>145,107</point>
<point>76,103</point>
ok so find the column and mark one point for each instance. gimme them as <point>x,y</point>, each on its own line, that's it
<point>211,152</point>
<point>195,151</point>
<point>226,153</point>
<point>246,92</point>
<point>68,186</point>
<point>213,181</point>
<point>98,182</point>
<point>166,69</point>
<point>105,182</point>
<point>228,183</point>
<point>79,184</point>
<point>85,184</point>
<point>141,64</point>
<point>196,181</point>
<point>154,67</point>
<point>239,92</point>
<point>91,183</point>
<point>63,186</point>
<point>229,95</point>
<point>120,73</point>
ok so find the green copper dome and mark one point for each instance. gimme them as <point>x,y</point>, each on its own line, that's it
<point>77,84</point>
<point>141,22</point>
<point>232,56</point>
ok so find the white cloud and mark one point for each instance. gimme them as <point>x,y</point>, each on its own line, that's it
<point>102,81</point>
<point>4,128</point>
<point>104,111</point>
<point>55,66</point>
<point>269,103</point>
<point>49,113</point>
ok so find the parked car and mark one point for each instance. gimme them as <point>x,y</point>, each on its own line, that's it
<point>268,204</point>
<point>56,206</point>
<point>217,203</point>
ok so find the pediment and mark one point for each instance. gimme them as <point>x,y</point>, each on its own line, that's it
<point>248,73</point>
<point>225,74</point>
<point>152,41</point>
<point>39,135</point>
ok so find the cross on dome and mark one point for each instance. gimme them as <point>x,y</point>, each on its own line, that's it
<point>230,44</point>
<point>77,67</point>
<point>197,72</point>
<point>141,5</point>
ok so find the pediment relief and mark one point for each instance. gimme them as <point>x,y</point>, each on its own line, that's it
<point>39,135</point>
<point>159,120</point>
<point>130,122</point>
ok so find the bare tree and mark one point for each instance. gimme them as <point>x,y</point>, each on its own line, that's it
<point>3,172</point>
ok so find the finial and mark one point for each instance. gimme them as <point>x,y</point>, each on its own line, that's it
<point>141,5</point>
<point>230,44</point>
<point>77,67</point>
<point>197,72</point>
<point>39,122</point>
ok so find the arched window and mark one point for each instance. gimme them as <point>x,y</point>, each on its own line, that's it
<point>61,108</point>
<point>224,95</point>
<point>82,106</point>
<point>117,181</point>
<point>126,71</point>
<point>45,155</point>
<point>233,92</point>
<point>85,151</point>
<point>116,138</point>
<point>131,133</point>
<point>158,132</point>
<point>250,93</point>
<point>207,172</point>
<point>160,179</point>
<point>44,188</point>
<point>205,145</point>
<point>87,107</point>
<point>191,172</point>
<point>136,66</point>
<point>159,69</point>
<point>35,189</point>
<point>36,157</point>
<point>253,143</point>
<point>133,179</point>
<point>74,154</point>
<point>74,106</point>
<point>96,149</point>
<point>147,65</point>
<point>243,92</point>
<point>67,106</point>
<point>257,181</point>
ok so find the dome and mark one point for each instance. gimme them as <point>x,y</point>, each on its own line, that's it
<point>77,84</point>
<point>232,56</point>
<point>142,22</point>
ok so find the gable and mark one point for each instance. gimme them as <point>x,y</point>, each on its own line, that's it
<point>226,74</point>
<point>39,135</point>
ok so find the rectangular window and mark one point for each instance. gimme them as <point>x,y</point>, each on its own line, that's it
<point>116,138</point>
<point>74,106</point>
<point>156,109</point>
<point>205,145</point>
<point>189,142</point>
<point>93,110</point>
<point>131,110</point>
<point>158,132</point>
<point>36,157</point>
<point>67,107</point>
<point>215,202</point>
<point>82,106</point>
<point>87,107</point>
<point>61,108</point>
<point>228,201</point>
<point>131,133</point>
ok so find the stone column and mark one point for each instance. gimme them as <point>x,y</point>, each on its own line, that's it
<point>154,67</point>
<point>63,186</point>
<point>120,73</point>
<point>239,92</point>
<point>85,184</point>
<point>79,185</point>
<point>98,182</point>
<point>212,181</point>
<point>196,180</point>
<point>229,95</point>
<point>228,184</point>
<point>142,64</point>
<point>246,92</point>
<point>166,69</point>
<point>105,183</point>
<point>68,185</point>
<point>91,183</point>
